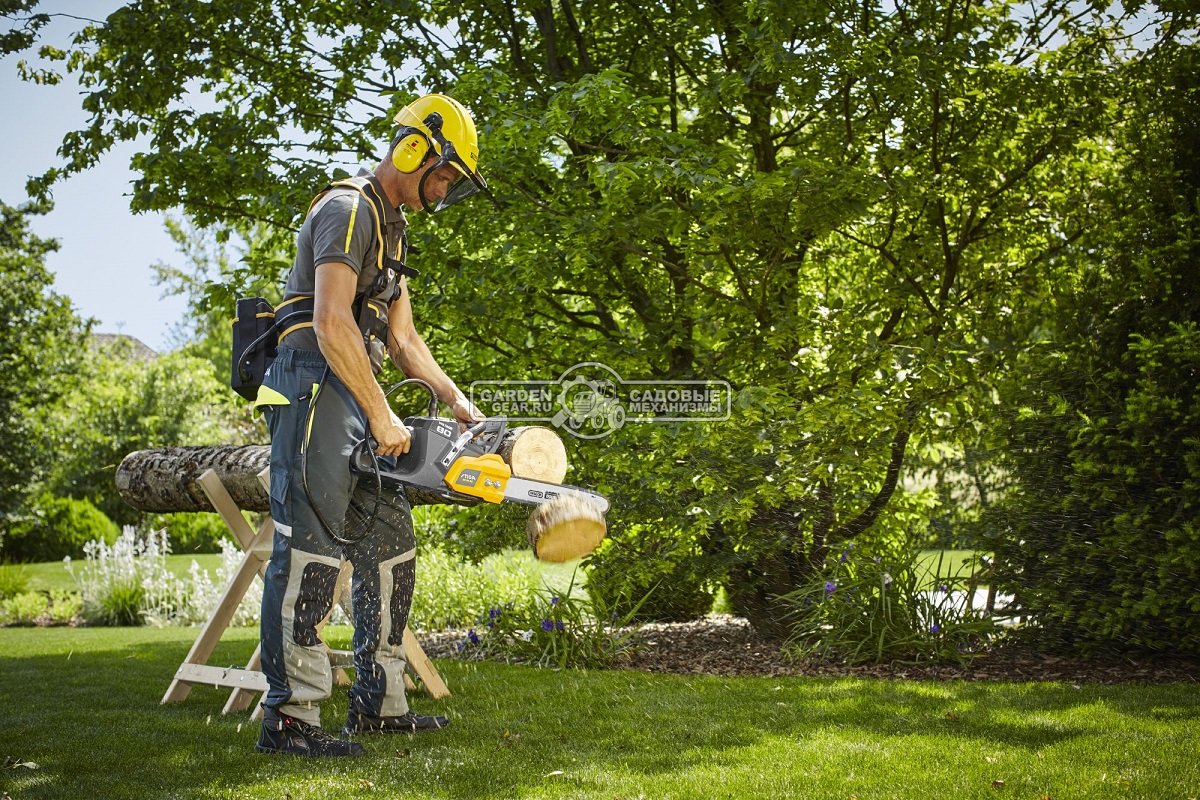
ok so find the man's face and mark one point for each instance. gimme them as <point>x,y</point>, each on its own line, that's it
<point>438,183</point>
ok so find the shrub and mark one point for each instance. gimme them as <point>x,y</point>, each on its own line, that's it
<point>1101,544</point>
<point>651,574</point>
<point>863,608</point>
<point>120,603</point>
<point>192,532</point>
<point>24,608</point>
<point>122,582</point>
<point>129,583</point>
<point>65,606</point>
<point>13,580</point>
<point>57,527</point>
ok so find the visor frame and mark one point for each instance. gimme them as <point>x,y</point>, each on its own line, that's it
<point>469,182</point>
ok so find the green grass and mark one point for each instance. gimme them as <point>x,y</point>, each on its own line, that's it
<point>82,704</point>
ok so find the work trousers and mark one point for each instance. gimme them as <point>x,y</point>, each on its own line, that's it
<point>305,560</point>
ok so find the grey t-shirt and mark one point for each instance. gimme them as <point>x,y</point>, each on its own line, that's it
<point>341,227</point>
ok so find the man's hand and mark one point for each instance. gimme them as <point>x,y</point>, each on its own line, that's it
<point>466,413</point>
<point>391,437</point>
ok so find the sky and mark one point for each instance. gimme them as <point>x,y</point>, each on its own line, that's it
<point>106,251</point>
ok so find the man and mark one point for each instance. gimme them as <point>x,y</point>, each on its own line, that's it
<point>346,302</point>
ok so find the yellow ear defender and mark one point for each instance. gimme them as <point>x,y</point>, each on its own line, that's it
<point>409,153</point>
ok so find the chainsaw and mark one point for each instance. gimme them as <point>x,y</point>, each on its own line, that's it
<point>460,467</point>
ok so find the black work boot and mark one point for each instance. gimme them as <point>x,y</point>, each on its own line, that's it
<point>290,736</point>
<point>357,722</point>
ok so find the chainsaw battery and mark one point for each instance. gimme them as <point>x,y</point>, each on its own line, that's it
<point>480,476</point>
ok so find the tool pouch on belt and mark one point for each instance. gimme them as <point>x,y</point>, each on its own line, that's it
<point>254,343</point>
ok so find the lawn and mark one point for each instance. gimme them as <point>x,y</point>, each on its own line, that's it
<point>53,575</point>
<point>82,704</point>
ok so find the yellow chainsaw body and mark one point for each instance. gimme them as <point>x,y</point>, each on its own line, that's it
<point>479,476</point>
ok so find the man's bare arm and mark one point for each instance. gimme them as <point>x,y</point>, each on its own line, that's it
<point>410,353</point>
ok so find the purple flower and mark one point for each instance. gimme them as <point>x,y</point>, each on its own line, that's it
<point>547,625</point>
<point>845,556</point>
<point>559,626</point>
<point>494,612</point>
<point>830,587</point>
<point>554,601</point>
<point>934,628</point>
<point>472,636</point>
<point>943,588</point>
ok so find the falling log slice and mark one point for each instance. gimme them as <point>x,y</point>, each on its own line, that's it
<point>165,479</point>
<point>565,528</point>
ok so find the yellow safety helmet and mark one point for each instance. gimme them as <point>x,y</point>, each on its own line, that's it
<point>439,125</point>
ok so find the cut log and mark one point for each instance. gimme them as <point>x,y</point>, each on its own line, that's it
<point>165,479</point>
<point>536,453</point>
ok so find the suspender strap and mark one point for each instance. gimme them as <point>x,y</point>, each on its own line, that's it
<point>375,202</point>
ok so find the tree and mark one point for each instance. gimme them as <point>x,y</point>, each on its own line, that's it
<point>844,209</point>
<point>41,338</point>
<point>1101,532</point>
<point>123,403</point>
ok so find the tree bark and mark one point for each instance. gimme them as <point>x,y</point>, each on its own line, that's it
<point>164,479</point>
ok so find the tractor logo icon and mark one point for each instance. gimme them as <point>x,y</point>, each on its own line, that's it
<point>590,407</point>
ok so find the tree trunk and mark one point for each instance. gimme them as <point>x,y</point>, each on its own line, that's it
<point>164,479</point>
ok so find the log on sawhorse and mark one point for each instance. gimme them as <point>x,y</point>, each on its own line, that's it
<point>245,683</point>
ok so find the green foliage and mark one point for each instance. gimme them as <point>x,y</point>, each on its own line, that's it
<point>118,604</point>
<point>211,276</point>
<point>40,352</point>
<point>65,606</point>
<point>24,608</point>
<point>57,607</point>
<point>453,594</point>
<point>880,608</point>
<point>191,532</point>
<point>650,573</point>
<point>1099,539</point>
<point>123,403</point>
<point>1102,540</point>
<point>57,527</point>
<point>129,583</point>
<point>14,579</point>
<point>861,215</point>
<point>554,630</point>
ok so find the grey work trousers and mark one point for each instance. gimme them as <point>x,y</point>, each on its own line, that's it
<point>305,560</point>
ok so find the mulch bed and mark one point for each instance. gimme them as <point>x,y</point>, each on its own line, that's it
<point>725,645</point>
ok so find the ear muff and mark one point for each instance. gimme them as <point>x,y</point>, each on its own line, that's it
<point>410,151</point>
